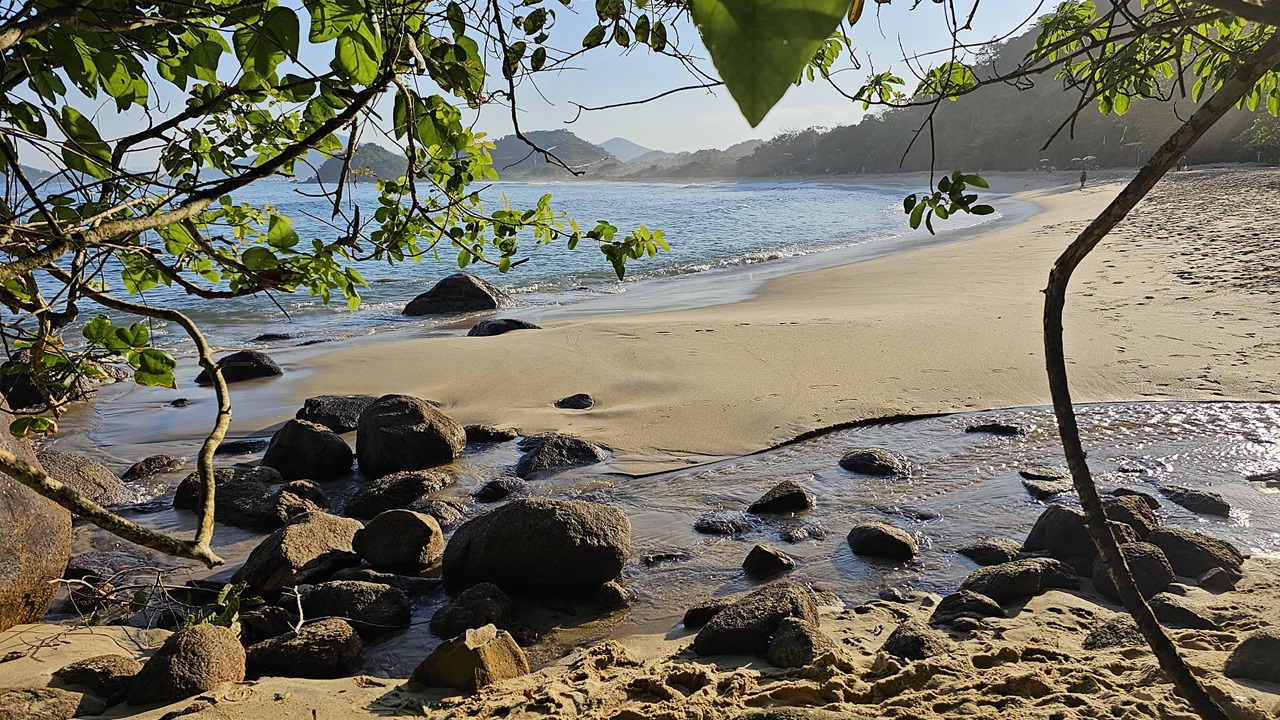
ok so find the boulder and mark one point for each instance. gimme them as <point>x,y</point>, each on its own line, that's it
<point>1041,489</point>
<point>997,428</point>
<point>241,498</point>
<point>327,648</point>
<point>307,549</point>
<point>1203,502</point>
<point>1046,472</point>
<point>764,562</point>
<point>400,432</point>
<point>190,662</point>
<point>874,461</point>
<point>1216,579</point>
<point>87,477</point>
<point>613,595</point>
<point>1062,532</point>
<point>400,541</point>
<point>1257,657</point>
<point>457,293</point>
<point>489,328</point>
<point>396,491</point>
<point>412,585</point>
<point>295,498</point>
<point>700,614</point>
<point>107,676</point>
<point>373,609</point>
<point>475,607</point>
<point>564,545</point>
<point>1147,498</point>
<point>473,660</point>
<point>558,452</point>
<point>21,393</point>
<point>302,450</point>
<point>241,446</point>
<point>1024,578</point>
<point>723,522</point>
<point>154,465</point>
<point>448,513</point>
<point>484,434</point>
<point>1151,571</point>
<point>1191,554</point>
<point>46,703</point>
<point>991,550</point>
<point>1172,611</point>
<point>339,413</point>
<point>915,640</point>
<point>965,604</point>
<point>798,643</point>
<point>785,497</point>
<point>1132,511</point>
<point>496,489</point>
<point>579,401</point>
<point>1120,631</point>
<point>749,625</point>
<point>243,365</point>
<point>877,539</point>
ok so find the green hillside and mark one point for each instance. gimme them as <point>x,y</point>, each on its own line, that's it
<point>370,163</point>
<point>514,159</point>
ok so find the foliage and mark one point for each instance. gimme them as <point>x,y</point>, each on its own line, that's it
<point>225,609</point>
<point>949,199</point>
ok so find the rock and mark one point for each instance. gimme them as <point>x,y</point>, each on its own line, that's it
<point>399,432</point>
<point>396,491</point>
<point>154,465</point>
<point>1123,532</point>
<point>21,393</point>
<point>302,450</point>
<point>965,604</point>
<point>1147,498</point>
<point>1045,489</point>
<point>750,624</point>
<point>459,292</point>
<point>991,550</point>
<point>296,498</point>
<point>179,403</point>
<point>46,703</point>
<point>327,648</point>
<point>242,446</point>
<point>1150,569</point>
<point>1061,531</point>
<point>241,498</point>
<point>243,365</point>
<point>100,565</point>
<point>785,497</point>
<point>1120,631</point>
<point>798,643</point>
<point>339,413</point>
<point>557,452</point>
<point>613,595</point>
<point>273,337</point>
<point>412,585</point>
<point>476,659</point>
<point>1172,611</point>
<point>87,477</point>
<point>914,640</point>
<point>764,562</point>
<point>793,530</point>
<point>1192,554</point>
<point>495,490</point>
<point>107,676</point>
<point>477,606</point>
<point>484,434</point>
<point>996,428</point>
<point>1198,501</point>
<point>1046,472</point>
<point>558,545</point>
<point>1257,657</point>
<point>873,461</point>
<point>1020,579</point>
<point>877,539</point>
<point>1216,579</point>
<point>489,328</point>
<point>580,401</point>
<point>1132,511</point>
<point>308,549</point>
<point>373,609</point>
<point>665,556</point>
<point>699,615</point>
<point>724,522</point>
<point>190,662</point>
<point>400,541</point>
<point>448,513</point>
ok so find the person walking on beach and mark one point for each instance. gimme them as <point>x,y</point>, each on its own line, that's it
<point>1084,175</point>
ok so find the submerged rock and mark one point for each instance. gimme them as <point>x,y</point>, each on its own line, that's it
<point>785,497</point>
<point>877,539</point>
<point>997,428</point>
<point>724,522</point>
<point>558,452</point>
<point>764,562</point>
<point>499,488</point>
<point>153,465</point>
<point>873,461</point>
<point>1198,501</point>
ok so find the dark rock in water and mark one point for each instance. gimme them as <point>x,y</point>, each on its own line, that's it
<point>153,465</point>
<point>326,648</point>
<point>1046,472</point>
<point>699,615</point>
<point>1147,498</point>
<point>339,413</point>
<point>87,477</point>
<point>400,541</point>
<point>765,562</point>
<point>613,595</point>
<point>480,605</point>
<point>792,530</point>
<point>399,432</point>
<point>557,452</point>
<point>1045,489</point>
<point>100,565</point>
<point>552,545</point>
<point>1198,501</point>
<point>785,497</point>
<point>991,550</point>
<point>190,662</point>
<point>243,365</point>
<point>373,609</point>
<point>1000,429</point>
<point>489,328</point>
<point>1132,511</point>
<point>244,446</point>
<point>241,497</point>
<point>1150,569</point>
<point>395,491</point>
<point>1192,554</point>
<point>910,512</point>
<point>798,643</point>
<point>180,403</point>
<point>1257,657</point>
<point>412,585</point>
<point>580,401</point>
<point>877,539</point>
<point>1173,611</point>
<point>46,703</point>
<point>1120,631</point>
<point>1021,579</point>
<point>447,513</point>
<point>723,522</point>
<point>496,489</point>
<point>308,549</point>
<point>473,660</point>
<point>965,604</point>
<point>459,292</point>
<point>749,624</point>
<point>484,434</point>
<point>1217,579</point>
<point>296,498</point>
<point>107,676</point>
<point>273,337</point>
<point>873,461</point>
<point>914,640</point>
<point>1062,532</point>
<point>305,450</point>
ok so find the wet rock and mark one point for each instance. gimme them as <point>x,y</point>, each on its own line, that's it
<point>87,477</point>
<point>700,614</point>
<point>1062,532</point>
<point>764,562</point>
<point>1120,631</point>
<point>613,595</point>
<point>273,337</point>
<point>459,292</point>
<point>400,541</point>
<point>914,640</point>
<point>1045,489</point>
<point>296,498</point>
<point>412,585</point>
<point>1046,472</point>
<point>1257,657</point>
<point>20,391</point>
<point>479,605</point>
<point>179,403</point>
<point>1217,580</point>
<point>1147,498</point>
<point>910,512</point>
<point>792,530</point>
<point>46,703</point>
<point>489,328</point>
<point>373,609</point>
<point>241,498</point>
<point>1151,570</point>
<point>308,549</point>
<point>785,497</point>
<point>190,662</point>
<point>873,461</point>
<point>107,676</point>
<point>475,659</point>
<point>339,413</point>
<point>154,465</point>
<point>448,513</point>
<point>997,428</point>
<point>1192,554</point>
<point>241,366</point>
<point>991,550</point>
<point>399,432</point>
<point>100,565</point>
<point>1132,511</point>
<point>750,624</point>
<point>306,450</point>
<point>877,539</point>
<point>242,446</point>
<point>554,545</point>
<point>558,452</point>
<point>1198,501</point>
<point>1172,611</point>
<point>484,434</point>
<point>396,491</point>
<point>665,556</point>
<point>723,522</point>
<point>327,648</point>
<point>798,643</point>
<point>1021,579</point>
<point>965,604</point>
<point>496,489</point>
<point>580,401</point>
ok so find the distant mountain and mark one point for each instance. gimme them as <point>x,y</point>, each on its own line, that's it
<point>743,149</point>
<point>514,159</point>
<point>653,156</point>
<point>370,163</point>
<point>624,149</point>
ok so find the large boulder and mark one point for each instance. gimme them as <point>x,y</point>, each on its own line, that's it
<point>991,550</point>
<point>877,539</point>
<point>400,541</point>
<point>395,491</point>
<point>565,545</point>
<point>965,604</point>
<point>914,640</point>
<point>400,432</point>
<point>873,461</point>
<point>241,497</point>
<point>327,648</point>
<point>87,477</point>
<point>302,450</point>
<point>471,661</point>
<point>785,497</point>
<point>1151,571</point>
<point>749,625</point>
<point>557,452</point>
<point>1203,502</point>
<point>459,292</point>
<point>798,643</point>
<point>1257,657</point>
<point>107,676</point>
<point>373,609</point>
<point>1062,532</point>
<point>475,607</point>
<point>1010,581</point>
<point>308,549</point>
<point>1191,554</point>
<point>295,498</point>
<point>46,703</point>
<point>190,662</point>
<point>339,413</point>
<point>1133,511</point>
<point>243,365</point>
<point>489,328</point>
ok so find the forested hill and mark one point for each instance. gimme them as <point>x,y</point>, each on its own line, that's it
<point>514,159</point>
<point>370,163</point>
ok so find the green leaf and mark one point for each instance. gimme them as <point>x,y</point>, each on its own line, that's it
<point>761,46</point>
<point>356,59</point>
<point>84,150</point>
<point>331,18</point>
<point>259,258</point>
<point>982,209</point>
<point>917,213</point>
<point>154,368</point>
<point>24,426</point>
<point>594,37</point>
<point>280,233</point>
